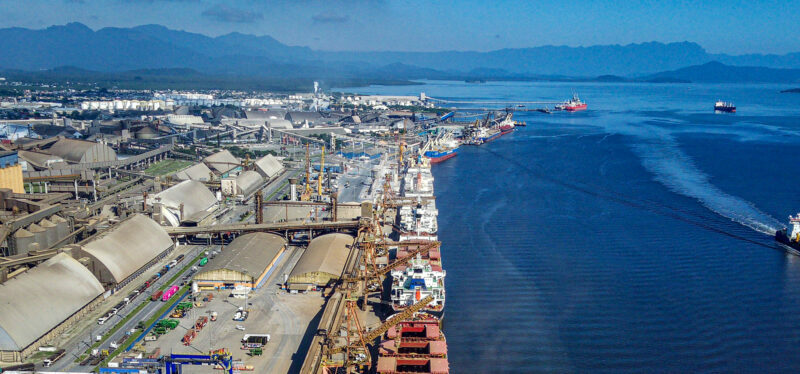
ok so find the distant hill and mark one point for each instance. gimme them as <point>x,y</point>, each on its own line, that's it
<point>158,47</point>
<point>717,72</point>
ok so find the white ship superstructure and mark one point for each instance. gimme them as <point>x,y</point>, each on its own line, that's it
<point>419,222</point>
<point>415,282</point>
<point>418,182</point>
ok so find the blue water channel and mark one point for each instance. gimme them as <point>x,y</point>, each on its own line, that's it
<point>630,238</point>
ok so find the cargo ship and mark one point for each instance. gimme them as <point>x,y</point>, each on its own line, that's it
<point>441,148</point>
<point>486,135</point>
<point>790,242</point>
<point>417,345</point>
<point>506,126</point>
<point>726,107</point>
<point>572,105</point>
<point>419,222</point>
<point>416,281</point>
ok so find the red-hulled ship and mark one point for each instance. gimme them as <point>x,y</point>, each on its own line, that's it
<point>506,126</point>
<point>572,105</point>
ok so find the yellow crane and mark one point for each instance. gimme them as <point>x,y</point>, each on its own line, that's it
<point>306,195</point>
<point>321,171</point>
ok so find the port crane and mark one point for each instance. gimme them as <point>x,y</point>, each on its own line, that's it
<point>402,261</point>
<point>364,338</point>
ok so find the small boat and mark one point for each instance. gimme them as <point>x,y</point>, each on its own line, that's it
<point>790,242</point>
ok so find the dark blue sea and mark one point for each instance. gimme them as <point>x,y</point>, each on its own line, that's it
<point>633,237</point>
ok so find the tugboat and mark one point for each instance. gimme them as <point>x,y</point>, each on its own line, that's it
<point>572,105</point>
<point>725,107</point>
<point>790,242</point>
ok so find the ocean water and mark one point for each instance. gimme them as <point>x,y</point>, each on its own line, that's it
<point>634,237</point>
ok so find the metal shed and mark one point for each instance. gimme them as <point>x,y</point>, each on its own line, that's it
<point>323,260</point>
<point>245,262</point>
<point>38,305</point>
<point>126,250</point>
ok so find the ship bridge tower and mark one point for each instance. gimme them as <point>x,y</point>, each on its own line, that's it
<point>795,221</point>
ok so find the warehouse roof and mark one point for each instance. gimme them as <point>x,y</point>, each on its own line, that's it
<point>325,254</point>
<point>35,302</point>
<point>74,150</point>
<point>196,172</point>
<point>248,254</point>
<point>269,166</point>
<point>196,198</point>
<point>249,181</point>
<point>221,161</point>
<point>128,246</point>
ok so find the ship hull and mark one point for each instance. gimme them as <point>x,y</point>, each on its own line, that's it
<point>783,239</point>
<point>506,130</point>
<point>725,109</point>
<point>575,108</point>
<point>490,138</point>
<point>436,156</point>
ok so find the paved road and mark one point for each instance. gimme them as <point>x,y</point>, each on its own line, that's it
<point>84,340</point>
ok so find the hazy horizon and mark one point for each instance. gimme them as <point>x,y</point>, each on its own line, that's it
<point>732,27</point>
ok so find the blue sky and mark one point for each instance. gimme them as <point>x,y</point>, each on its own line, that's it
<point>733,26</point>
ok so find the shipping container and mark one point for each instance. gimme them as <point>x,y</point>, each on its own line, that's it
<point>169,293</point>
<point>157,295</point>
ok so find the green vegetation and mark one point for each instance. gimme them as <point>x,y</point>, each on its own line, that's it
<point>166,167</point>
<point>242,153</point>
<point>420,109</point>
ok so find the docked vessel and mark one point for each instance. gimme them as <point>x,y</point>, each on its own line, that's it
<point>416,281</point>
<point>486,135</point>
<point>723,106</point>
<point>572,105</point>
<point>417,345</point>
<point>418,182</point>
<point>441,148</point>
<point>419,222</point>
<point>790,241</point>
<point>506,126</point>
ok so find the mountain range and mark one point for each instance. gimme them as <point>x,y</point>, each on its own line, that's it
<point>157,47</point>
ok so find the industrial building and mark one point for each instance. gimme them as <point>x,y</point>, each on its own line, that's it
<point>223,163</point>
<point>11,172</point>
<point>81,151</point>
<point>323,261</point>
<point>189,202</point>
<point>246,262</point>
<point>37,305</point>
<point>124,251</point>
<point>248,182</point>
<point>197,172</point>
<point>268,166</point>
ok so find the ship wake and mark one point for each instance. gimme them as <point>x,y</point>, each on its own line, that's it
<point>662,157</point>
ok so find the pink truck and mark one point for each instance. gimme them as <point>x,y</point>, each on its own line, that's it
<point>169,292</point>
